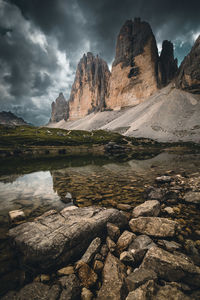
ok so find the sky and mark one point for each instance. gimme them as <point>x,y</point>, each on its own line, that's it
<point>41,42</point>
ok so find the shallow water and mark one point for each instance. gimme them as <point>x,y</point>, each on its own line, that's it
<point>36,188</point>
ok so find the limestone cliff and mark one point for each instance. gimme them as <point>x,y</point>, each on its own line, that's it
<point>167,64</point>
<point>135,68</point>
<point>90,87</point>
<point>59,109</point>
<point>189,72</point>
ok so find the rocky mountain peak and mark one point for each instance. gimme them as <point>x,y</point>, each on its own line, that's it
<point>167,64</point>
<point>131,40</point>
<point>189,72</point>
<point>8,118</point>
<point>90,86</point>
<point>135,68</point>
<point>59,109</point>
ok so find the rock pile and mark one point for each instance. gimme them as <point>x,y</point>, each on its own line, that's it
<point>110,254</point>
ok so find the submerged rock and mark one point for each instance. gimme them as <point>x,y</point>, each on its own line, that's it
<point>16,215</point>
<point>55,238</point>
<point>192,197</point>
<point>154,226</point>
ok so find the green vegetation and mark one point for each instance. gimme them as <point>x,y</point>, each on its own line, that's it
<point>27,136</point>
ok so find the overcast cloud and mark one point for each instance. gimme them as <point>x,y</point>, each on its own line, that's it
<point>41,42</point>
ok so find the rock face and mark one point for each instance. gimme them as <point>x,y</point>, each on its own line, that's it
<point>59,109</point>
<point>189,72</point>
<point>134,70</point>
<point>167,64</point>
<point>56,238</point>
<point>90,87</point>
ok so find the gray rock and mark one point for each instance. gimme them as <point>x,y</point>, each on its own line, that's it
<point>169,210</point>
<point>87,275</point>
<point>139,247</point>
<point>113,231</point>
<point>113,275</point>
<point>111,245</point>
<point>125,207</point>
<point>153,291</point>
<point>35,290</point>
<point>71,286</point>
<point>127,257</point>
<point>192,197</point>
<point>91,251</point>
<point>104,250</point>
<point>98,266</point>
<point>56,238</point>
<point>16,215</point>
<point>139,277</point>
<point>154,226</point>
<point>170,292</point>
<point>171,267</point>
<point>156,194</point>
<point>125,240</point>
<point>86,294</point>
<point>169,245</point>
<point>150,208</point>
<point>144,292</point>
<point>66,271</point>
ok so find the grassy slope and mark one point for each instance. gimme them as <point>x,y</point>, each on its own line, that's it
<point>27,136</point>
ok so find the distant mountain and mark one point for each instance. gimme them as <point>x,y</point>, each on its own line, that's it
<point>144,95</point>
<point>8,118</point>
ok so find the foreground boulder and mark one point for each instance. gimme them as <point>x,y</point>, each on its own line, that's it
<point>114,274</point>
<point>153,291</point>
<point>56,238</point>
<point>153,226</point>
<point>172,267</point>
<point>35,290</point>
<point>150,208</point>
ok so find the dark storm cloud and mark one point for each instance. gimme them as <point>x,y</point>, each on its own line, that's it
<point>32,32</point>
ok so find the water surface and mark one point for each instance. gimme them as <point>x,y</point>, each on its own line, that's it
<point>37,186</point>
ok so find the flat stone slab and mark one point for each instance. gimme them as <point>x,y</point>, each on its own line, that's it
<point>154,226</point>
<point>55,238</point>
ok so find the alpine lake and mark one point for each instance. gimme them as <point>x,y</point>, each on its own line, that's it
<point>42,184</point>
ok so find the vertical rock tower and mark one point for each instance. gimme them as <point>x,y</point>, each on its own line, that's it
<point>59,109</point>
<point>167,64</point>
<point>134,73</point>
<point>189,72</point>
<point>90,86</point>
